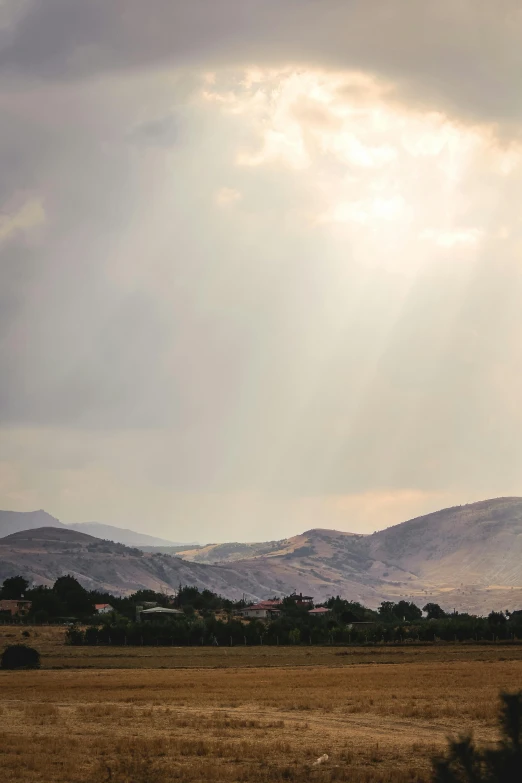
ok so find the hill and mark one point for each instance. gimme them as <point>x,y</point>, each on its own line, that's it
<point>13,521</point>
<point>44,536</point>
<point>44,554</point>
<point>120,535</point>
<point>469,557</point>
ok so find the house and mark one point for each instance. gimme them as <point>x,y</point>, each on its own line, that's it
<point>303,600</point>
<point>103,608</point>
<point>16,607</point>
<point>263,610</point>
<point>319,612</point>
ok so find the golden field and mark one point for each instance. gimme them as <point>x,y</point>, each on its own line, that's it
<point>155,715</point>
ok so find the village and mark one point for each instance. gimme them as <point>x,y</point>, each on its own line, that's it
<point>20,608</point>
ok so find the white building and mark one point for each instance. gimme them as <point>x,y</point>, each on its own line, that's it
<point>262,611</point>
<point>103,608</point>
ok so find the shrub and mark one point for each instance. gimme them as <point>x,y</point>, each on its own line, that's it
<point>74,636</point>
<point>465,763</point>
<point>20,656</point>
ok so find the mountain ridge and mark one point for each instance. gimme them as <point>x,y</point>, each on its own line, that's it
<point>468,557</point>
<point>12,521</point>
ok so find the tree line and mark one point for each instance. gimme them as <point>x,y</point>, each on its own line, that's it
<point>208,618</point>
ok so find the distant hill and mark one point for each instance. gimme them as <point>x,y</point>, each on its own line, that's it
<point>44,554</point>
<point>45,536</point>
<point>120,535</point>
<point>468,557</point>
<point>313,542</point>
<point>13,521</point>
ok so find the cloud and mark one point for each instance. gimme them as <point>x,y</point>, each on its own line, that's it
<point>161,131</point>
<point>364,160</point>
<point>27,217</point>
<point>227,196</point>
<point>449,239</point>
<point>449,55</point>
<point>283,281</point>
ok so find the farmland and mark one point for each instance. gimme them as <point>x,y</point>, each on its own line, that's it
<point>142,715</point>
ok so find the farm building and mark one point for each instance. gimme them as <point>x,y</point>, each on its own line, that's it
<point>303,600</point>
<point>103,608</point>
<point>16,608</point>
<point>262,610</point>
<point>361,624</point>
<point>156,613</point>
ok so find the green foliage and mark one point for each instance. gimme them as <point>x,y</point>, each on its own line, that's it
<point>204,600</point>
<point>13,588</point>
<point>464,762</point>
<point>349,611</point>
<point>386,612</point>
<point>75,598</point>
<point>295,636</point>
<point>497,619</point>
<point>403,610</point>
<point>392,623</point>
<point>74,636</point>
<point>434,612</point>
<point>20,656</point>
<point>45,604</point>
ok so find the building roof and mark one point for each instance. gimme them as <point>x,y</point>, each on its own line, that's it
<point>319,610</point>
<point>102,606</point>
<point>262,607</point>
<point>160,610</point>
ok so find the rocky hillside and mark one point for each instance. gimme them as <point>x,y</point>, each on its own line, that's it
<point>469,557</point>
<point>44,554</point>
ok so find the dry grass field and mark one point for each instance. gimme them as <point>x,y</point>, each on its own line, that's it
<point>142,715</point>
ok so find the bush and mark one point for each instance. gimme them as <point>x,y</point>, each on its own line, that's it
<point>20,656</point>
<point>74,636</point>
<point>466,763</point>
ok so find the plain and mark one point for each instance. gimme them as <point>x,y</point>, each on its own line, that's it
<point>142,715</point>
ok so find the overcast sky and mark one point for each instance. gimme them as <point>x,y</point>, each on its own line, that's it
<point>260,261</point>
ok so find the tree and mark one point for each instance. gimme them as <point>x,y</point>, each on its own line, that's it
<point>15,587</point>
<point>404,610</point>
<point>497,619</point>
<point>386,610</point>
<point>349,611</point>
<point>465,763</point>
<point>434,612</point>
<point>20,656</point>
<point>45,604</point>
<point>76,599</point>
<point>295,636</point>
<point>407,610</point>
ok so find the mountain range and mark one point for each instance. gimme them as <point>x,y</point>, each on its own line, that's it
<point>468,557</point>
<point>14,521</point>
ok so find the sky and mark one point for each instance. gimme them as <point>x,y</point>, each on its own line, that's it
<point>260,262</point>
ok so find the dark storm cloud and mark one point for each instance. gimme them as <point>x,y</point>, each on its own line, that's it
<point>261,358</point>
<point>460,55</point>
